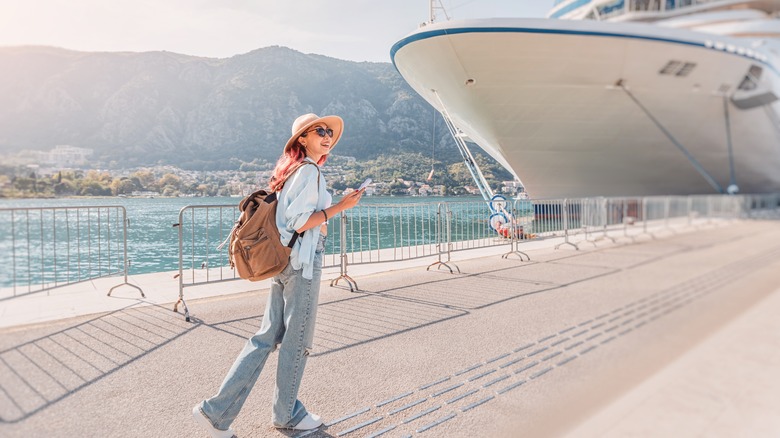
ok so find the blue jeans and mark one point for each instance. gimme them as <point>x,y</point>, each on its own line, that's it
<point>289,324</point>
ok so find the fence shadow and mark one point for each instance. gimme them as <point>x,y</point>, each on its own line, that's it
<point>388,310</point>
<point>356,320</point>
<point>379,313</point>
<point>39,373</point>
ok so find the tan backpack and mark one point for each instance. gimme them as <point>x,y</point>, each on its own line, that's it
<point>255,249</point>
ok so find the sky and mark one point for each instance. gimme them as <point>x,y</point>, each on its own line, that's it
<point>356,30</point>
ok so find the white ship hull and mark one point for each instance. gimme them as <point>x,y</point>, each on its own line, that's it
<point>560,103</point>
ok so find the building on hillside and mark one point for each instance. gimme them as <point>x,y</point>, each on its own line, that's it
<point>68,156</point>
<point>471,190</point>
<point>511,187</point>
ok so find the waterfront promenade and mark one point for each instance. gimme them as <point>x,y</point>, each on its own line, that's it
<point>673,336</point>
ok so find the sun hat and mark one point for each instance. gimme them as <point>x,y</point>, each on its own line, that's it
<point>306,121</point>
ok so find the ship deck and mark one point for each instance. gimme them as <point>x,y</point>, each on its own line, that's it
<point>673,336</point>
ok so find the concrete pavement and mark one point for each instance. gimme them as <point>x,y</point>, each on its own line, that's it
<point>668,337</point>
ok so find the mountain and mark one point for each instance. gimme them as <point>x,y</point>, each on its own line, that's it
<point>203,113</point>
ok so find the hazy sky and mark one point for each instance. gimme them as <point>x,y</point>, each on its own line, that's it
<point>358,30</point>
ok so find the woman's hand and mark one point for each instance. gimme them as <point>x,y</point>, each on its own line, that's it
<point>318,218</point>
<point>350,200</point>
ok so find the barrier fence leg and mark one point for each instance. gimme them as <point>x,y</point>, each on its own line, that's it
<point>586,212</point>
<point>441,241</point>
<point>181,300</point>
<point>124,238</point>
<point>514,249</point>
<point>605,221</point>
<point>515,231</point>
<point>566,227</point>
<point>353,286</point>
<point>627,220</point>
<point>180,275</point>
<point>644,221</point>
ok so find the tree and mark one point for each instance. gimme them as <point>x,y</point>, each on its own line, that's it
<point>169,180</point>
<point>145,179</point>
<point>170,191</point>
<point>24,184</point>
<point>93,188</point>
<point>398,188</point>
<point>66,187</point>
<point>123,186</point>
<point>103,178</point>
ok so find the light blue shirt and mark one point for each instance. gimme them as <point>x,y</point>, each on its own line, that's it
<point>299,198</point>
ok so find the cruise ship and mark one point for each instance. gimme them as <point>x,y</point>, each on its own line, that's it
<point>613,97</point>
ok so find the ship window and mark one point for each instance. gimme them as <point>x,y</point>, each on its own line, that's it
<point>750,81</point>
<point>670,67</point>
<point>686,68</point>
<point>612,8</point>
<point>645,5</point>
<point>677,68</point>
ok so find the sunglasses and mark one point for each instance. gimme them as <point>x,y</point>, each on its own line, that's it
<point>320,131</point>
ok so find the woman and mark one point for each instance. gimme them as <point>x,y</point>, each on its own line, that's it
<point>304,206</point>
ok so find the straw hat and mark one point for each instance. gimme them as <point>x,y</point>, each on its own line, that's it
<point>306,121</point>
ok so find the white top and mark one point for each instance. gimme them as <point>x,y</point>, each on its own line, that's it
<point>297,201</point>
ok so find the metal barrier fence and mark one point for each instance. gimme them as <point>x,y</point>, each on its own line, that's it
<point>202,259</point>
<point>761,206</point>
<point>466,225</point>
<point>378,233</point>
<point>201,229</point>
<point>49,247</point>
<point>45,248</point>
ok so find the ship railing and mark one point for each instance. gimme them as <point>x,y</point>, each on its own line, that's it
<point>43,248</point>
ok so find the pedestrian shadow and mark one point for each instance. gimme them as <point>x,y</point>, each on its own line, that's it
<point>40,372</point>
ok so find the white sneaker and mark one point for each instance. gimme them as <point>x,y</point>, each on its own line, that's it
<point>309,422</point>
<point>204,422</point>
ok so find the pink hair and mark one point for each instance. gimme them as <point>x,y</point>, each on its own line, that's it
<point>289,160</point>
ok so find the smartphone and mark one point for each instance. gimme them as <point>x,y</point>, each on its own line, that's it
<point>365,184</point>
